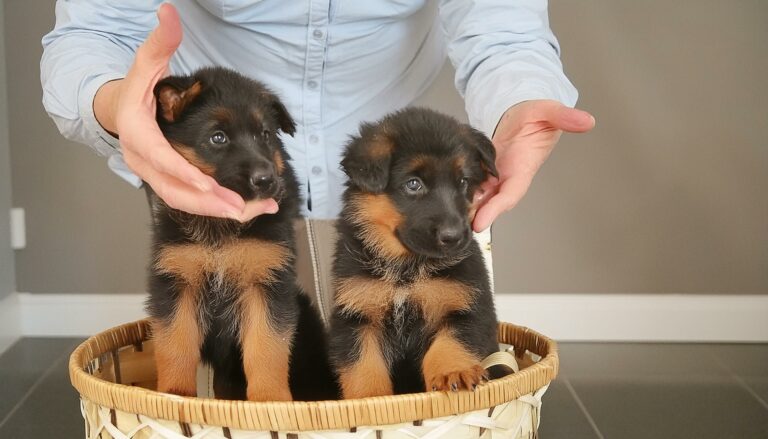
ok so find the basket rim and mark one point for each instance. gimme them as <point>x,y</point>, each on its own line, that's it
<point>305,415</point>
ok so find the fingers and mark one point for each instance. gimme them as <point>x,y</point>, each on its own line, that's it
<point>571,120</point>
<point>509,194</point>
<point>181,196</point>
<point>163,41</point>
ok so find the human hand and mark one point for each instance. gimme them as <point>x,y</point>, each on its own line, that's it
<point>127,107</point>
<point>524,138</point>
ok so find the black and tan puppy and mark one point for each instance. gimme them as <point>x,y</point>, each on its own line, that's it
<point>221,291</point>
<point>413,306</point>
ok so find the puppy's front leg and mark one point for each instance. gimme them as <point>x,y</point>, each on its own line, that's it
<point>363,371</point>
<point>266,350</point>
<point>450,365</point>
<point>177,351</point>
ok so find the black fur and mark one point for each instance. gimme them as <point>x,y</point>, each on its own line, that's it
<point>250,148</point>
<point>443,204</point>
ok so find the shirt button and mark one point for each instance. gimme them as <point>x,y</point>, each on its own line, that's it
<point>317,34</point>
<point>317,170</point>
<point>313,139</point>
<point>312,84</point>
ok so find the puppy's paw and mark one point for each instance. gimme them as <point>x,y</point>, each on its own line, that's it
<point>455,379</point>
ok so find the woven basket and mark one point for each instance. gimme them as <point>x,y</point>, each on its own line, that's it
<point>115,374</point>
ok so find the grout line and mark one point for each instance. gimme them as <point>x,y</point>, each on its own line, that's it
<point>37,383</point>
<point>734,376</point>
<point>582,407</point>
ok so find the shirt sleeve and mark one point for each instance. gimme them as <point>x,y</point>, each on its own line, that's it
<point>504,53</point>
<point>93,42</point>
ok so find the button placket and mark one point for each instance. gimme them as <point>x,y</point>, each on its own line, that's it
<point>312,102</point>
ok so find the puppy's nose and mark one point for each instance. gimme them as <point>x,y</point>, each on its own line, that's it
<point>449,236</point>
<point>262,180</point>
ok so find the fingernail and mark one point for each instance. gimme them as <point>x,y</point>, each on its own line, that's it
<point>273,208</point>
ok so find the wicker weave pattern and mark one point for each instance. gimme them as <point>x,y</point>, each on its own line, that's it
<point>516,419</point>
<point>97,361</point>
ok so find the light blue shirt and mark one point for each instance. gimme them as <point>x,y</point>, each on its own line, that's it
<point>335,63</point>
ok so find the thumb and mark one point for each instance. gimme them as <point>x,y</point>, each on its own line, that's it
<point>164,39</point>
<point>570,119</point>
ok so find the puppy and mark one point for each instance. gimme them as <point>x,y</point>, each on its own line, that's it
<point>413,306</point>
<point>221,291</point>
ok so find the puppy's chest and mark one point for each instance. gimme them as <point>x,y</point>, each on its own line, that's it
<point>384,302</point>
<point>238,263</point>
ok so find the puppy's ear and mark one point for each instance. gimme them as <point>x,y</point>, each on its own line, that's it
<point>174,94</point>
<point>485,149</point>
<point>284,119</point>
<point>367,158</point>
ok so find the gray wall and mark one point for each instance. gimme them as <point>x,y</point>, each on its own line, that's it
<point>667,195</point>
<point>7,280</point>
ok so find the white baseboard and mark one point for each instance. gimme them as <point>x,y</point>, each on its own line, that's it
<point>10,326</point>
<point>564,317</point>
<point>640,317</point>
<point>77,315</point>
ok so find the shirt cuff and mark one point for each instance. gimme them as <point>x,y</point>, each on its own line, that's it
<point>488,102</point>
<point>104,142</point>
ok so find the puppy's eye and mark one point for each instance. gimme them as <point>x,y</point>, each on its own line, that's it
<point>264,135</point>
<point>413,185</point>
<point>219,138</point>
<point>464,182</point>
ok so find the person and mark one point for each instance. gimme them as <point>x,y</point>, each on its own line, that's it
<point>334,63</point>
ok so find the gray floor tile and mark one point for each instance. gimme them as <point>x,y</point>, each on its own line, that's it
<point>52,410</point>
<point>744,359</point>
<point>640,361</point>
<point>561,417</point>
<point>671,410</point>
<point>24,363</point>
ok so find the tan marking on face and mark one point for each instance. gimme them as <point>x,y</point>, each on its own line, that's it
<point>437,297</point>
<point>378,219</point>
<point>419,163</point>
<point>193,158</point>
<point>223,115</point>
<point>448,362</point>
<point>369,374</point>
<point>266,353</point>
<point>258,116</point>
<point>277,157</point>
<point>367,296</point>
<point>458,165</point>
<point>178,345</point>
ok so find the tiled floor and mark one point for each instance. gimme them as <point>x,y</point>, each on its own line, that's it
<point>625,391</point>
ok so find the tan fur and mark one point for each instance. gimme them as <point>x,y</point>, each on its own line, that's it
<point>380,146</point>
<point>448,365</point>
<point>173,101</point>
<point>266,353</point>
<point>369,297</point>
<point>191,156</point>
<point>419,162</point>
<point>378,219</point>
<point>369,375</point>
<point>247,261</point>
<point>223,115</point>
<point>372,298</point>
<point>178,347</point>
<point>277,158</point>
<point>438,297</point>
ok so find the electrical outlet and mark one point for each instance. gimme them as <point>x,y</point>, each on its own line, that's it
<point>18,229</point>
